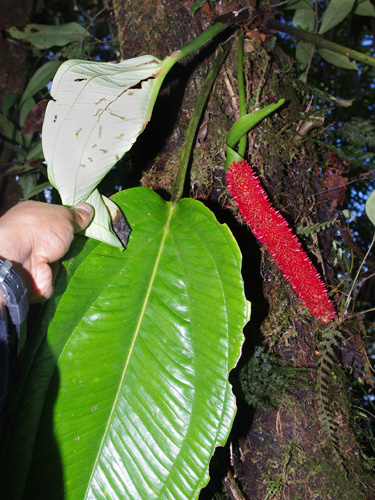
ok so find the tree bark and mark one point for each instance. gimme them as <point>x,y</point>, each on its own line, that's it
<point>297,440</point>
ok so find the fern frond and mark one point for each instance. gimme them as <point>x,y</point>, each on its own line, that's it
<point>315,228</point>
<point>325,394</point>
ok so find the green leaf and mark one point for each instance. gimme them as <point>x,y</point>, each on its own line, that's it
<point>9,100</point>
<point>134,370</point>
<point>36,151</point>
<point>197,4</point>
<point>303,53</point>
<point>348,214</point>
<point>98,111</point>
<point>337,59</point>
<point>304,18</point>
<point>25,107</point>
<point>36,190</point>
<point>370,207</point>
<point>242,127</point>
<point>336,12</point>
<point>365,9</point>
<point>40,79</point>
<point>9,130</point>
<point>43,36</point>
<point>101,226</point>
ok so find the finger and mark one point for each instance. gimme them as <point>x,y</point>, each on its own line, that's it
<point>42,286</point>
<point>83,214</point>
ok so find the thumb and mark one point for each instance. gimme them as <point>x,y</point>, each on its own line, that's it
<point>83,214</point>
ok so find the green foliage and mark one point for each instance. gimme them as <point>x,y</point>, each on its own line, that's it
<point>321,19</point>
<point>358,134</point>
<point>370,207</point>
<point>336,11</point>
<point>264,379</point>
<point>26,144</point>
<point>315,228</point>
<point>143,359</point>
<point>42,36</point>
<point>242,127</point>
<point>327,364</point>
<point>134,368</point>
<point>40,79</point>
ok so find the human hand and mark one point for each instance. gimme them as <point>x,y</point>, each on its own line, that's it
<point>35,235</point>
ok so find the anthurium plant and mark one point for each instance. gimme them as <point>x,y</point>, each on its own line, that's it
<point>124,391</point>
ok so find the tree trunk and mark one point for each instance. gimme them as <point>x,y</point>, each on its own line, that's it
<point>296,440</point>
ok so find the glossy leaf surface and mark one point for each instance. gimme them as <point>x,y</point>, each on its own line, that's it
<point>134,370</point>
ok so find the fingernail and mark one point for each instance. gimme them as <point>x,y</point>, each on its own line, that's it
<point>85,207</point>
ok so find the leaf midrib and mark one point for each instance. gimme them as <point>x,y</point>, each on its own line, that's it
<point>135,336</point>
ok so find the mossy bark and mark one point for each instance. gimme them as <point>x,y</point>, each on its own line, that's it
<point>282,449</point>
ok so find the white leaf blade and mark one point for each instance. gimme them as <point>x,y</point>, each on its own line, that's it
<point>101,226</point>
<point>98,111</point>
<point>95,119</point>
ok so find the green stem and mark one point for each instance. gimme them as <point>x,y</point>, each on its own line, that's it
<point>199,42</point>
<point>241,92</point>
<point>194,123</point>
<point>321,42</point>
<point>188,49</point>
<point>242,127</point>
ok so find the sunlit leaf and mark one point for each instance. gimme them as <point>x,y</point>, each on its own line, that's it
<point>336,11</point>
<point>134,370</point>
<point>42,36</point>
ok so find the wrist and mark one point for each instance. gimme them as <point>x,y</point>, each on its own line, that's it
<point>13,294</point>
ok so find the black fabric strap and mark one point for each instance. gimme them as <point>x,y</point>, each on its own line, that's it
<point>14,292</point>
<point>4,363</point>
<point>12,327</point>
